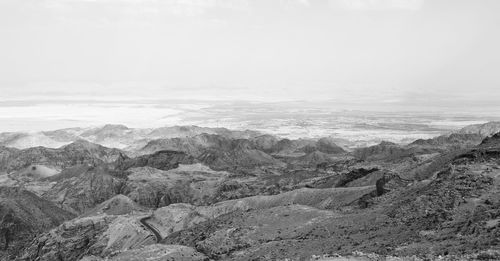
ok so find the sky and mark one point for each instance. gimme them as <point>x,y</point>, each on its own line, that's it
<point>380,54</point>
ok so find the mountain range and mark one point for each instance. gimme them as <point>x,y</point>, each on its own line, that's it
<point>132,139</point>
<point>192,193</point>
<point>113,136</point>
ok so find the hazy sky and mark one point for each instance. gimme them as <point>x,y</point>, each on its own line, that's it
<point>398,52</point>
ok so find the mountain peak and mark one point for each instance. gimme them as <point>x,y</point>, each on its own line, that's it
<point>492,141</point>
<point>81,144</point>
<point>114,127</point>
<point>485,129</point>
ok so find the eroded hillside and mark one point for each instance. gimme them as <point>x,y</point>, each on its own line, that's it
<point>246,196</point>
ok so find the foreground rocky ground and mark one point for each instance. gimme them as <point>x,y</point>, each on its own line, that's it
<point>247,196</point>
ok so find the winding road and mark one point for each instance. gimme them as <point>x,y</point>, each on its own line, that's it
<point>152,229</point>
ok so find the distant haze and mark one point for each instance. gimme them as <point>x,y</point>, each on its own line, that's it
<point>74,62</point>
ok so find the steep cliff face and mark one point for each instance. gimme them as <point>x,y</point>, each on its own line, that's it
<point>22,216</point>
<point>82,189</point>
<point>6,156</point>
<point>71,240</point>
<point>492,142</point>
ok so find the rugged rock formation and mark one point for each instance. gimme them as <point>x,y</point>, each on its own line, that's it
<point>195,145</point>
<point>233,198</point>
<point>115,136</point>
<point>22,216</point>
<point>70,241</point>
<point>195,183</point>
<point>389,182</point>
<point>315,158</point>
<point>341,180</point>
<point>388,151</point>
<point>80,152</point>
<point>251,234</point>
<point>289,147</point>
<point>383,151</point>
<point>459,208</point>
<point>485,130</point>
<point>265,144</point>
<point>491,142</point>
<point>104,235</point>
<point>324,145</point>
<point>453,140</point>
<point>239,158</point>
<point>82,188</point>
<point>163,160</point>
<point>117,205</point>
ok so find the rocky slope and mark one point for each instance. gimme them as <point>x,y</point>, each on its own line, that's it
<point>79,152</point>
<point>455,213</point>
<point>102,233</point>
<point>485,130</point>
<point>22,216</point>
<point>155,252</point>
<point>88,187</point>
<point>222,197</point>
<point>195,184</point>
<point>268,144</point>
<point>117,205</point>
<point>163,160</point>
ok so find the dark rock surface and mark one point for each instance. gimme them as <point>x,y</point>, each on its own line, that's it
<point>22,216</point>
